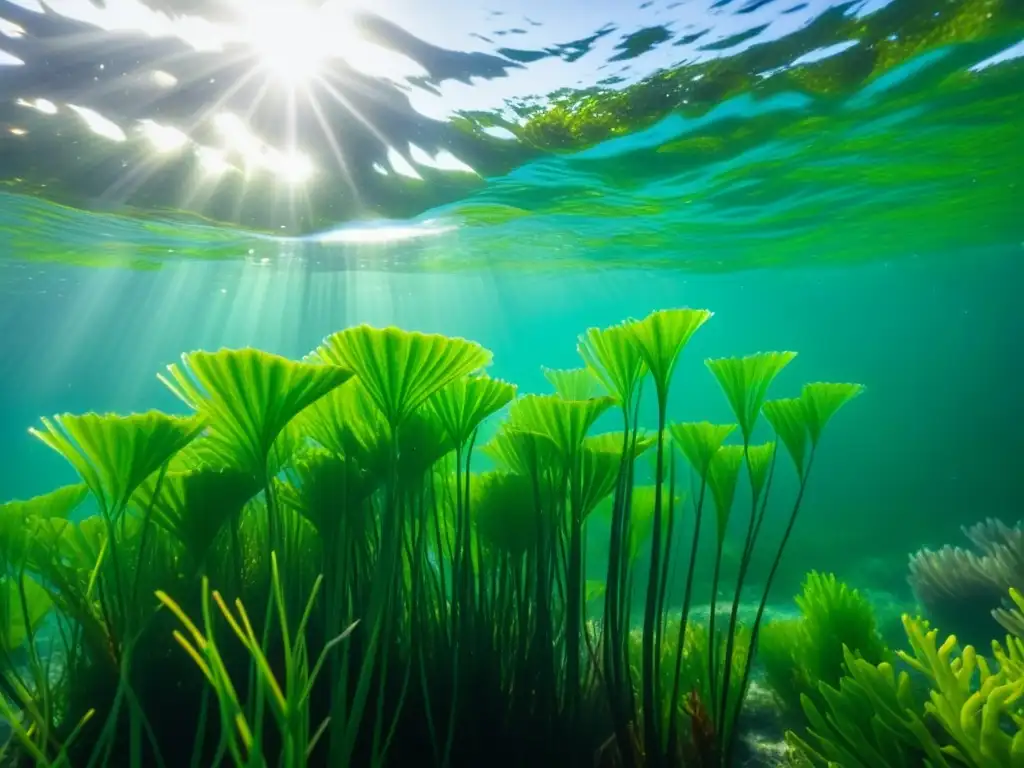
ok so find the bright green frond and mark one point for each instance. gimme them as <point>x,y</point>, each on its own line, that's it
<point>17,518</point>
<point>745,382</point>
<point>194,506</point>
<point>114,454</point>
<point>700,441</point>
<point>789,420</point>
<point>464,403</point>
<point>574,383</point>
<point>57,503</point>
<point>723,472</point>
<point>348,423</point>
<point>759,459</point>
<point>821,401</point>
<point>660,338</point>
<point>24,604</point>
<point>612,441</point>
<point>522,451</point>
<point>614,358</point>
<point>402,369</point>
<point>599,471</point>
<point>641,517</point>
<point>422,441</point>
<point>564,422</point>
<point>327,488</point>
<point>249,397</point>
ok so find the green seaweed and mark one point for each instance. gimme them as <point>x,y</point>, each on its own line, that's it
<point>970,718</point>
<point>339,495</point>
<point>798,655</point>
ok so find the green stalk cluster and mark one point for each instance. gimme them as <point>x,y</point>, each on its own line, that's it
<point>409,605</point>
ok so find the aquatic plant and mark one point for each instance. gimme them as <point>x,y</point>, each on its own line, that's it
<point>959,588</point>
<point>242,724</point>
<point>871,720</point>
<point>450,611</point>
<point>658,341</point>
<point>1012,619</point>
<point>971,716</point>
<point>691,678</point>
<point>798,655</point>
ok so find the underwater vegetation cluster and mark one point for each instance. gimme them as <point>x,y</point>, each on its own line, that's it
<point>850,701</point>
<point>969,715</point>
<point>310,568</point>
<point>307,569</point>
<point>799,655</point>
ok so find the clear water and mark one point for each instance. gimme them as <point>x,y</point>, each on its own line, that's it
<point>841,179</point>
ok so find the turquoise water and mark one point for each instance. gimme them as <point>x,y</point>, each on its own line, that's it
<point>933,445</point>
<point>838,179</point>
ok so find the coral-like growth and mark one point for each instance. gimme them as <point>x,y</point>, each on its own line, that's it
<point>959,588</point>
<point>1012,619</point>
<point>970,718</point>
<point>798,655</point>
<point>871,720</point>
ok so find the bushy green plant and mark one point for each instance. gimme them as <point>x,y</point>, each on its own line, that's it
<point>349,476</point>
<point>798,655</point>
<point>871,720</point>
<point>971,716</point>
<point>288,699</point>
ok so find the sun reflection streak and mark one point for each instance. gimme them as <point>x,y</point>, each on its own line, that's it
<point>45,106</point>
<point>99,124</point>
<point>332,142</point>
<point>389,233</point>
<point>164,138</point>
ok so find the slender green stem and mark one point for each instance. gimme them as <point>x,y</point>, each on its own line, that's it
<point>147,518</point>
<point>713,661</point>
<point>651,684</point>
<point>614,577</point>
<point>665,565</point>
<point>755,629</point>
<point>685,614</point>
<point>574,587</point>
<point>730,642</point>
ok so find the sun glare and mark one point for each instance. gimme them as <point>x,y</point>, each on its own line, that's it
<point>292,43</point>
<point>290,165</point>
<point>272,46</point>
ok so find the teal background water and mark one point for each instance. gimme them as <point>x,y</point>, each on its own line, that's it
<point>839,179</point>
<point>934,443</point>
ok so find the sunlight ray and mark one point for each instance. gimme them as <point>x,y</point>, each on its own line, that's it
<point>332,142</point>
<point>340,97</point>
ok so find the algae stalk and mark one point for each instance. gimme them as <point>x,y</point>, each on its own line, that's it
<point>685,614</point>
<point>755,629</point>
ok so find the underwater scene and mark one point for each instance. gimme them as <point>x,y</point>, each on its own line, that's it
<point>596,384</point>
